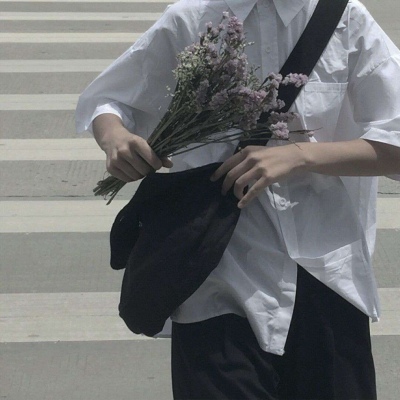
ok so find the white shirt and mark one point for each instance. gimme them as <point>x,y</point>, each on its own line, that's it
<point>326,224</point>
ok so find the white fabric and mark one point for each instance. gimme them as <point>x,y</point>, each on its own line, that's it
<point>326,224</point>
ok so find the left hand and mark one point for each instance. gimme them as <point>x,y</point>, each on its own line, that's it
<point>261,165</point>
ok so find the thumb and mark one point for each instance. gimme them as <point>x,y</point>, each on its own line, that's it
<point>166,162</point>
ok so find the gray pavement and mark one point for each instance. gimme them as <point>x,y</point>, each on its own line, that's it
<point>56,82</point>
<point>78,262</point>
<point>85,371</point>
<point>38,124</point>
<point>53,51</point>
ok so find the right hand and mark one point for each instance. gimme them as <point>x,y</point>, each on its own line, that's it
<point>129,157</point>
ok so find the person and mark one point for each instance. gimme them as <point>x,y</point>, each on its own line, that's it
<point>285,315</point>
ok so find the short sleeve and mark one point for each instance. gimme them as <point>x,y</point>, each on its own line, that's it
<point>374,87</point>
<point>134,86</point>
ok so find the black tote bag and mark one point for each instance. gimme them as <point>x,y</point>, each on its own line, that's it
<point>175,229</point>
<point>180,224</point>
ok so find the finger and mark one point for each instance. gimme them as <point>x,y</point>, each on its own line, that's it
<point>230,163</point>
<point>139,164</point>
<point>244,181</point>
<point>166,162</point>
<point>127,160</point>
<point>143,150</point>
<point>253,192</point>
<point>123,170</point>
<point>232,176</point>
<point>117,173</point>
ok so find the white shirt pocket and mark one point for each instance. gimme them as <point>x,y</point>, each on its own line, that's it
<point>321,107</point>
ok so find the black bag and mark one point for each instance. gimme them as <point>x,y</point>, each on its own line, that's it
<point>173,232</point>
<point>176,245</point>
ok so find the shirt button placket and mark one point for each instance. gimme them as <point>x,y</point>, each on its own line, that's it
<point>268,37</point>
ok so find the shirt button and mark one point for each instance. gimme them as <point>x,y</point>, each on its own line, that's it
<point>268,49</point>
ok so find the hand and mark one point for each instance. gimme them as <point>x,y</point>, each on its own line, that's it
<point>267,165</point>
<point>129,157</point>
<point>263,165</point>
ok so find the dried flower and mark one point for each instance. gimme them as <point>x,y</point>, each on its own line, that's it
<point>280,130</point>
<point>295,79</point>
<point>216,91</point>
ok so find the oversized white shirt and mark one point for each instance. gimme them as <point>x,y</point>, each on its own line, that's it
<point>325,224</point>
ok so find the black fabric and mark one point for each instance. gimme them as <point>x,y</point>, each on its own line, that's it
<point>310,46</point>
<point>305,55</point>
<point>177,244</point>
<point>327,354</point>
<point>173,232</point>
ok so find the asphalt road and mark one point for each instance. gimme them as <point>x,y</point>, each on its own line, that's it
<point>60,337</point>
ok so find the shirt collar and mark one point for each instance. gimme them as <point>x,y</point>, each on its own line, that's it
<point>287,9</point>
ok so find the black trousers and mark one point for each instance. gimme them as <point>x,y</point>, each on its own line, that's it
<point>327,354</point>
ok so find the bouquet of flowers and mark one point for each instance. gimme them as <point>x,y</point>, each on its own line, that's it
<point>217,91</point>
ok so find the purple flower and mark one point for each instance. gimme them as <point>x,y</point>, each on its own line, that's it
<point>297,80</point>
<point>234,32</point>
<point>280,104</point>
<point>231,67</point>
<point>211,50</point>
<point>274,79</point>
<point>219,100</point>
<point>280,130</point>
<point>276,117</point>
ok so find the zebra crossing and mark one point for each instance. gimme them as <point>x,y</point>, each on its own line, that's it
<point>58,296</point>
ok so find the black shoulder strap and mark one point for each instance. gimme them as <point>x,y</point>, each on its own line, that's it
<point>311,45</point>
<point>307,52</point>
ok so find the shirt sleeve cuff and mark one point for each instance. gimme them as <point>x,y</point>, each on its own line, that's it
<point>383,136</point>
<point>119,110</point>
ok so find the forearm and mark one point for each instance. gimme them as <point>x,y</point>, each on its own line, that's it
<point>351,158</point>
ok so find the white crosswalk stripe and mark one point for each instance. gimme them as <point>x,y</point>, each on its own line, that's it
<point>38,102</point>
<point>96,216</point>
<point>49,317</point>
<point>49,149</point>
<point>47,323</point>
<point>84,316</point>
<point>90,1</point>
<point>78,16</point>
<point>35,66</point>
<point>73,37</point>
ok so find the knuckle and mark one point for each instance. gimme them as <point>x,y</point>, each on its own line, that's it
<point>110,168</point>
<point>253,159</point>
<point>245,151</point>
<point>134,139</point>
<point>123,152</point>
<point>261,170</point>
<point>135,143</point>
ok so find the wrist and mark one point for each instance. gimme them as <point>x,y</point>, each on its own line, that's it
<point>305,160</point>
<point>106,128</point>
